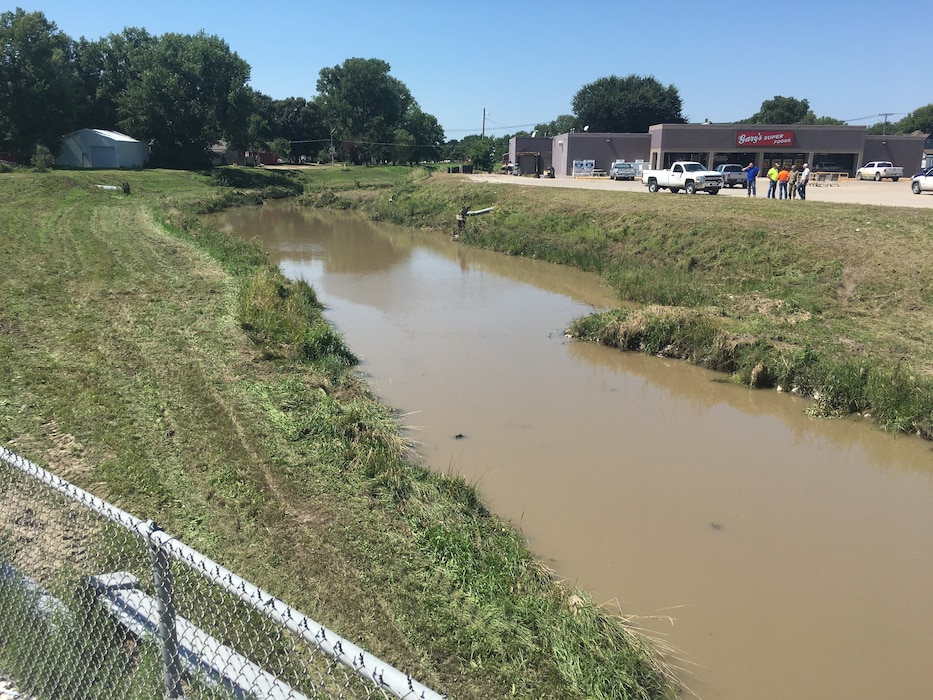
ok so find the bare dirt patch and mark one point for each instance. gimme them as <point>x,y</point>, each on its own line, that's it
<point>776,309</point>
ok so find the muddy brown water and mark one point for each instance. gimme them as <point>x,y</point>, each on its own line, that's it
<point>781,556</point>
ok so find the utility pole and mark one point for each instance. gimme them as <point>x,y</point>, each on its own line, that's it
<point>884,127</point>
<point>483,133</point>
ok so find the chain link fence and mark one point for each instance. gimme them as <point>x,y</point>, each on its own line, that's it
<point>95,603</point>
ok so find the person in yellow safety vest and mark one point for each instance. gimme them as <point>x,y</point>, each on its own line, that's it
<point>772,181</point>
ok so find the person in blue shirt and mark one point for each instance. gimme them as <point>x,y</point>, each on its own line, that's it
<point>751,176</point>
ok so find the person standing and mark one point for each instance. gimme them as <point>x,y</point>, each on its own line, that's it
<point>751,173</point>
<point>772,181</point>
<point>783,176</point>
<point>802,182</point>
<point>792,182</point>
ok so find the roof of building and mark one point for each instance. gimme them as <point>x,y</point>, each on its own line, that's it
<point>112,135</point>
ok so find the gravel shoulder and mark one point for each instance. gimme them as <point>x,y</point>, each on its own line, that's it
<point>850,191</point>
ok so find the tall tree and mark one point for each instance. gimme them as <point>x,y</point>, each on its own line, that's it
<point>783,110</point>
<point>921,119</point>
<point>561,125</point>
<point>426,133</point>
<point>105,69</point>
<point>828,121</point>
<point>362,103</point>
<point>257,132</point>
<point>479,151</point>
<point>37,83</point>
<point>455,150</point>
<point>299,122</point>
<point>629,104</point>
<point>192,95</point>
<point>404,147</point>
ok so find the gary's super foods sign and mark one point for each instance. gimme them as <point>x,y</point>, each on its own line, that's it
<point>764,139</point>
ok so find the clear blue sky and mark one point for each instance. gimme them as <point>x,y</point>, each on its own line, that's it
<point>522,62</point>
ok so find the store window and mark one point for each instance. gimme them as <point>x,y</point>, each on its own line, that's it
<point>669,158</point>
<point>739,158</point>
<point>833,163</point>
<point>784,159</point>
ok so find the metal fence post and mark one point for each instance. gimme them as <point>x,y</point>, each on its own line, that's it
<point>314,661</point>
<point>165,605</point>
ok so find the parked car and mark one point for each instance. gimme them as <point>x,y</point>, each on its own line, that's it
<point>732,174</point>
<point>922,182</point>
<point>878,169</point>
<point>621,170</point>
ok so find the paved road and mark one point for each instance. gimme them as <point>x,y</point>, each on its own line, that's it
<point>885,193</point>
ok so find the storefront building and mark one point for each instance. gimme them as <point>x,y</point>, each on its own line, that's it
<point>840,149</point>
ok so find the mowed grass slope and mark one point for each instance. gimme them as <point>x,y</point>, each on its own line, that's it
<point>175,373</point>
<point>834,301</point>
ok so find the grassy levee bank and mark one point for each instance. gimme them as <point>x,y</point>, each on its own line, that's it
<point>832,301</point>
<point>174,372</point>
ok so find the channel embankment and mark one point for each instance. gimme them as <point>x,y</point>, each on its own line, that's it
<point>849,190</point>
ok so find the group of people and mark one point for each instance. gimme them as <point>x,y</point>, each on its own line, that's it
<point>782,183</point>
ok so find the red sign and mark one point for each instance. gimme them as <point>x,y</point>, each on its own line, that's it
<point>764,139</point>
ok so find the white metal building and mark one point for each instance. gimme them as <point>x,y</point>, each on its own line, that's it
<point>99,148</point>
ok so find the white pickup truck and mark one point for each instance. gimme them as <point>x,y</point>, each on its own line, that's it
<point>878,169</point>
<point>683,175</point>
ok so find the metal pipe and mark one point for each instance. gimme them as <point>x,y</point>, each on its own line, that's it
<point>384,676</point>
<point>165,608</point>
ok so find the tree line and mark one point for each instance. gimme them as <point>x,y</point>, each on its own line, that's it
<point>182,94</point>
<point>632,104</point>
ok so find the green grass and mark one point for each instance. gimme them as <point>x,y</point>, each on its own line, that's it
<point>54,653</point>
<point>173,371</point>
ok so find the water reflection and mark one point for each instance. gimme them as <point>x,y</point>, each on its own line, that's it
<point>795,555</point>
<point>300,235</point>
<point>885,450</point>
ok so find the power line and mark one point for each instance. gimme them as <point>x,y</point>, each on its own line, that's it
<point>497,128</point>
<point>875,116</point>
<point>375,143</point>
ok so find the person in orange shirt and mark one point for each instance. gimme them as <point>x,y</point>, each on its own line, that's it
<point>783,176</point>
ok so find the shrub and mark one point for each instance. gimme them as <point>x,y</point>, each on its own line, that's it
<point>43,159</point>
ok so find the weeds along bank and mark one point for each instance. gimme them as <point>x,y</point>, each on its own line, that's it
<point>832,301</point>
<point>171,370</point>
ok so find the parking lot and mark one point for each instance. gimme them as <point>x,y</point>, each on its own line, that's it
<point>885,192</point>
